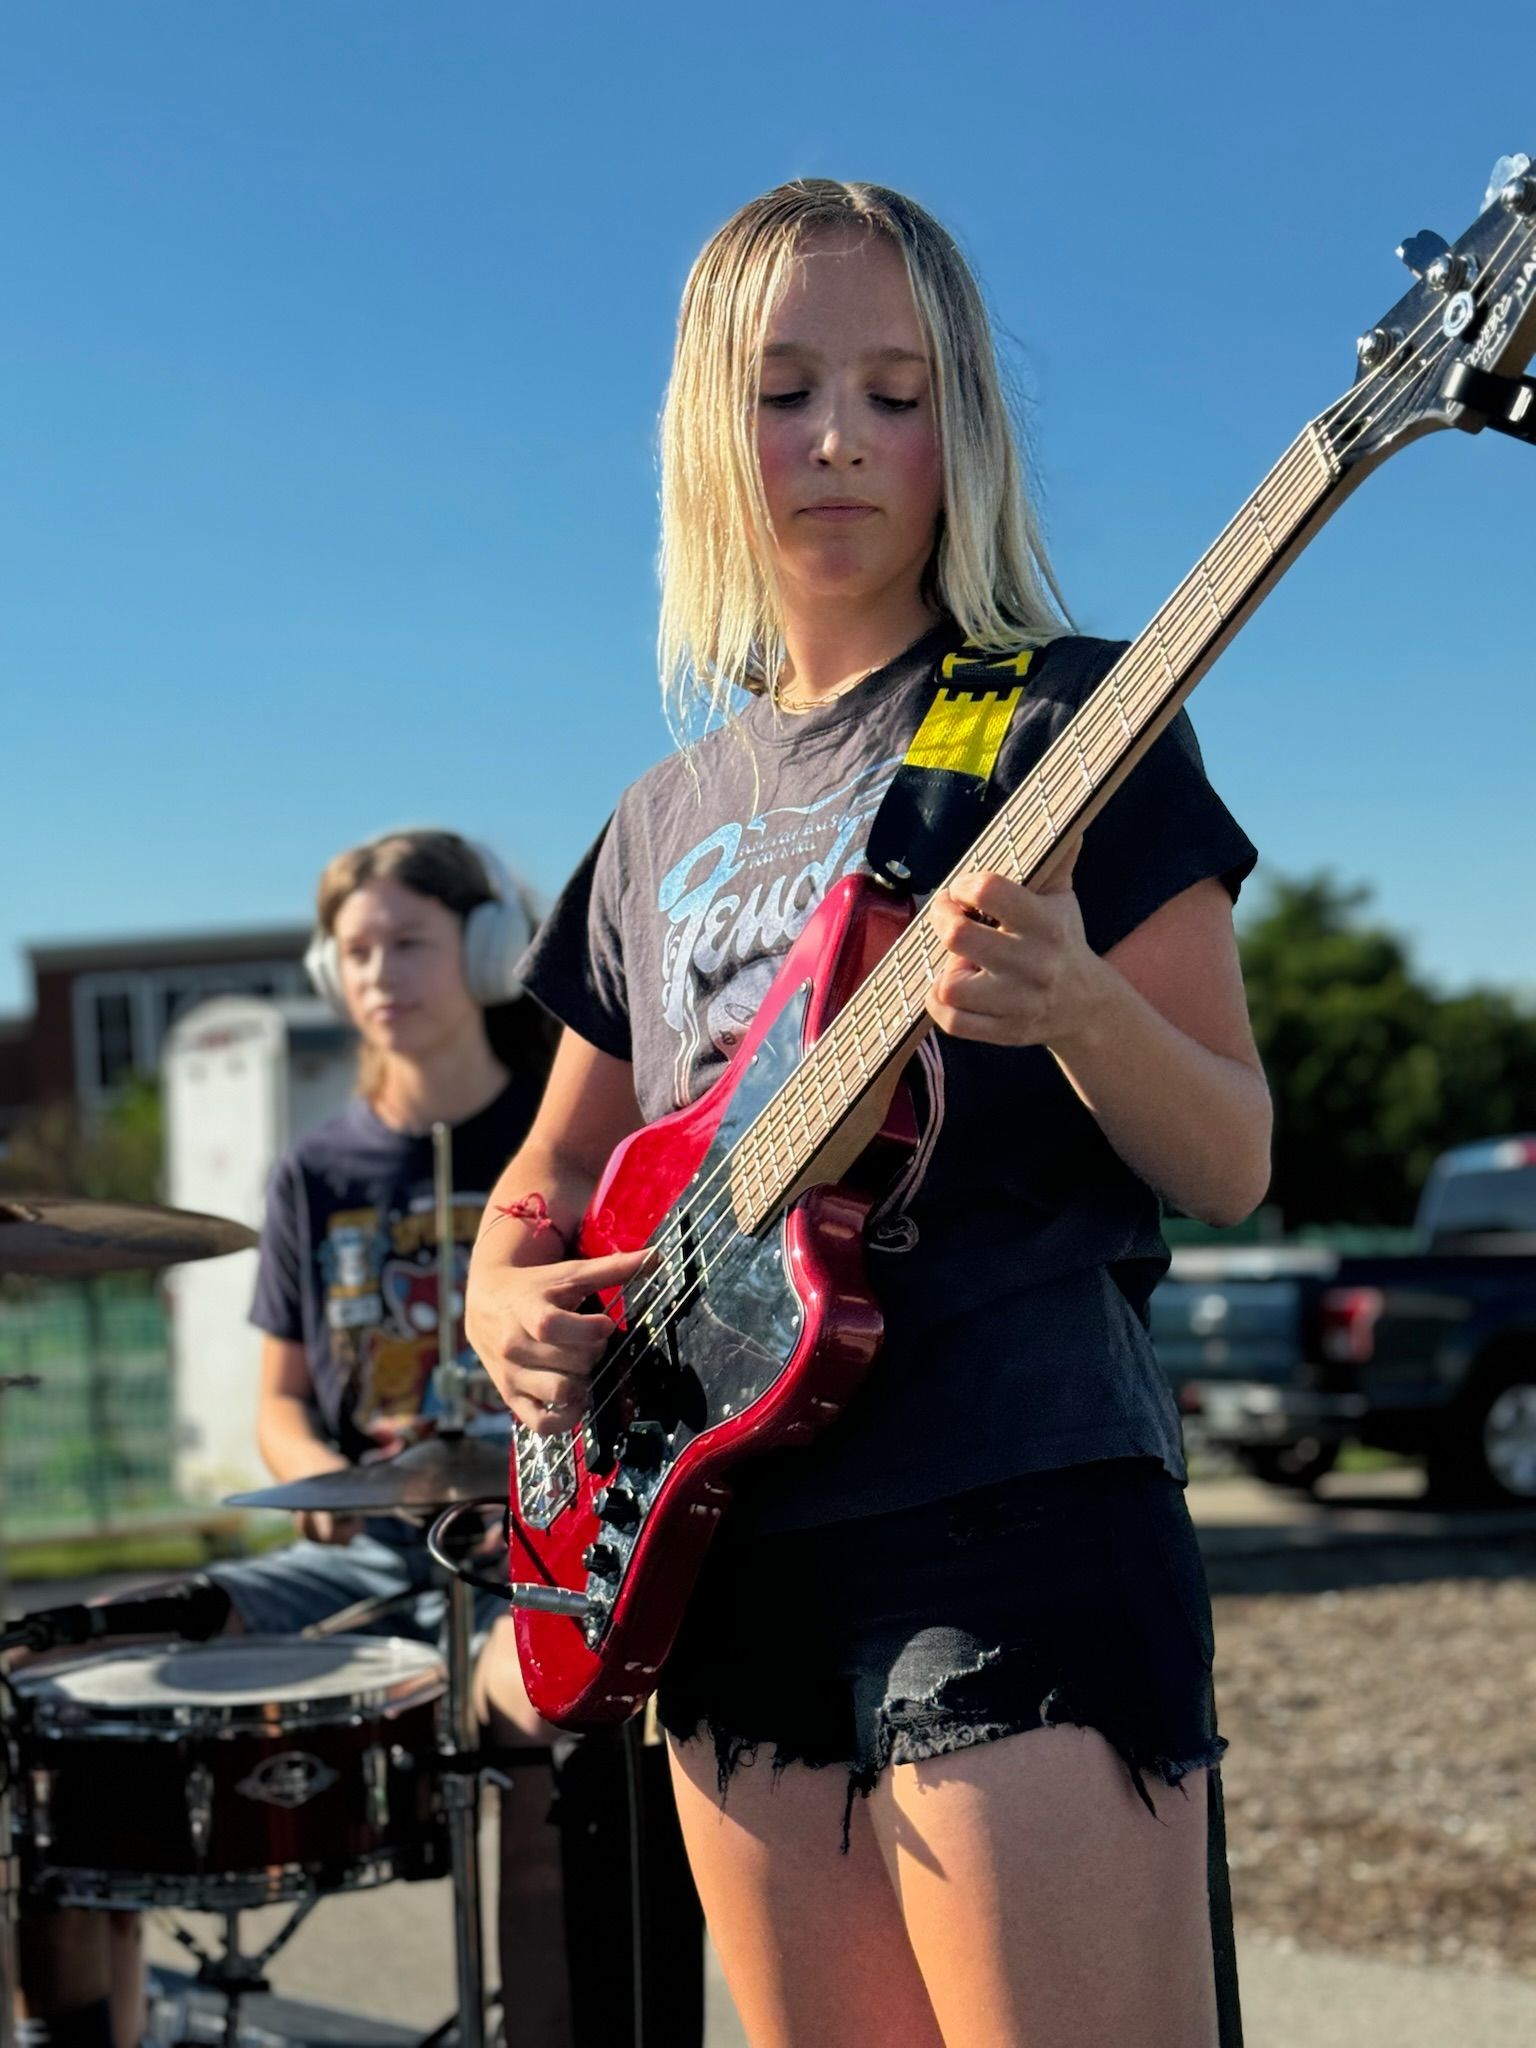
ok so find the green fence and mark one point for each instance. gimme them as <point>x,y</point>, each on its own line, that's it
<point>90,1446</point>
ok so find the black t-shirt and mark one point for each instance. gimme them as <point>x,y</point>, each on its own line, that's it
<point>1014,1261</point>
<point>348,1263</point>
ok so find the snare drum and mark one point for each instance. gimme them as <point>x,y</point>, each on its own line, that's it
<point>230,1774</point>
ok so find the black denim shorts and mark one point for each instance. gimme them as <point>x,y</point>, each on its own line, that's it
<point>1072,1596</point>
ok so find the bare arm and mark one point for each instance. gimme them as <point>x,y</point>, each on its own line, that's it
<point>287,1437</point>
<point>1154,1037</point>
<point>525,1294</point>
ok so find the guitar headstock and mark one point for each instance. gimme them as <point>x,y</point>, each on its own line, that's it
<point>1451,352</point>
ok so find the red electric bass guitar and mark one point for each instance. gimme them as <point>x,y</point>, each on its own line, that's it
<point>754,1323</point>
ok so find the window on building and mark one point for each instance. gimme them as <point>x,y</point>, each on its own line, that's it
<point>112,1013</point>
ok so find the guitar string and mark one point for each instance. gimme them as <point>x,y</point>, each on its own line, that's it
<point>1232,543</point>
<point>1101,722</point>
<point>1227,544</point>
<point>642,1309</point>
<point>643,1312</point>
<point>1358,402</point>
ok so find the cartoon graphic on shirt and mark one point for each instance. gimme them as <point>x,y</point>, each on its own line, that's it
<point>737,902</point>
<point>382,1309</point>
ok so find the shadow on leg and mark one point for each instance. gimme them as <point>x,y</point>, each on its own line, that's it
<point>811,1940</point>
<point>1044,1903</point>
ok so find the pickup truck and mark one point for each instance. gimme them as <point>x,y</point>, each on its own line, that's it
<point>1284,1354</point>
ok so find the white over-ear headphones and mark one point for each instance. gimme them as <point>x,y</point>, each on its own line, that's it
<point>496,936</point>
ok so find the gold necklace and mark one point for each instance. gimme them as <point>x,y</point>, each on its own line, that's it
<point>797,710</point>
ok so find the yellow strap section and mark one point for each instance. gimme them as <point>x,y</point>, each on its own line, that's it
<point>964,732</point>
<point>989,664</point>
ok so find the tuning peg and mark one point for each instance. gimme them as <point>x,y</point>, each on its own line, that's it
<point>1421,250</point>
<point>1375,348</point>
<point>1509,175</point>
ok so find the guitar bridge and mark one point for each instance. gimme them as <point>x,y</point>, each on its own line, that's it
<point>546,1475</point>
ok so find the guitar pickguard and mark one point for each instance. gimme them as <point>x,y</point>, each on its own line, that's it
<point>714,1325</point>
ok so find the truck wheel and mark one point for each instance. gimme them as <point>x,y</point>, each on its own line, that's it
<point>1489,1451</point>
<point>1492,1454</point>
<point>1299,1465</point>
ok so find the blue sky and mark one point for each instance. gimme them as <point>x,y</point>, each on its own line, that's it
<point>334,331</point>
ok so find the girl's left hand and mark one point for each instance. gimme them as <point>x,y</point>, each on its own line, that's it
<point>1023,976</point>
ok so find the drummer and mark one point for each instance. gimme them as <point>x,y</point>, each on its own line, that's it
<point>417,942</point>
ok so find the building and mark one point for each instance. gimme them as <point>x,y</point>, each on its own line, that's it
<point>101,1008</point>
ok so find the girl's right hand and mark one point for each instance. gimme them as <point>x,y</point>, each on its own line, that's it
<point>527,1328</point>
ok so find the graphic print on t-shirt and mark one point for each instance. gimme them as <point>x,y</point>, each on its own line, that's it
<point>737,901</point>
<point>381,1308</point>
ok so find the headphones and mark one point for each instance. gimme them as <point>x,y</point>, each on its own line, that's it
<point>496,936</point>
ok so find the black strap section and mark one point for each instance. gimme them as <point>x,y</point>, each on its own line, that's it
<point>932,813</point>
<point>926,820</point>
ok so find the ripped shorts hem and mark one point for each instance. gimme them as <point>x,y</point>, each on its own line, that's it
<point>903,1738</point>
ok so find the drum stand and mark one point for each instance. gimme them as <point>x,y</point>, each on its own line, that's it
<point>232,1974</point>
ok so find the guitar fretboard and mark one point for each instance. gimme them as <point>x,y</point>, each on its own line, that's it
<point>883,1022</point>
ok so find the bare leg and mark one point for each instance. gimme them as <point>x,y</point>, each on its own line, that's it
<point>530,1914</point>
<point>811,1940</point>
<point>125,1944</point>
<point>64,1964</point>
<point>1046,1907</point>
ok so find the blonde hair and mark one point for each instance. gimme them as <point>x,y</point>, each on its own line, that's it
<point>448,869</point>
<point>719,614</point>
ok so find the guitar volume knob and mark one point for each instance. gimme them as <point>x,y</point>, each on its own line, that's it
<point>618,1507</point>
<point>601,1559</point>
<point>645,1445</point>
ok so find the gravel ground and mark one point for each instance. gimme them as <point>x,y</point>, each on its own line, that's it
<point>1381,1796</point>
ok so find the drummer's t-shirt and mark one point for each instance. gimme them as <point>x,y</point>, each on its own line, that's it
<point>348,1262</point>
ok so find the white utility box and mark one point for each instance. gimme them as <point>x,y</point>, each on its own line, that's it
<point>243,1077</point>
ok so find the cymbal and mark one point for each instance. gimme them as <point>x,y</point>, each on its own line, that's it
<point>439,1472</point>
<point>68,1237</point>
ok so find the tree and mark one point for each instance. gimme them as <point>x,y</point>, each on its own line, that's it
<point>1373,1071</point>
<point>114,1156</point>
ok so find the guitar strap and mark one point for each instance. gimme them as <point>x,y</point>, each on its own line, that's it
<point>941,796</point>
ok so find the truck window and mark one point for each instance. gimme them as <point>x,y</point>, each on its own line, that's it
<point>1465,1204</point>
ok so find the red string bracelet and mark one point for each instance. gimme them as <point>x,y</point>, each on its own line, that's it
<point>530,1209</point>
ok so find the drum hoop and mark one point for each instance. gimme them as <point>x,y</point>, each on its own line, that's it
<point>58,1717</point>
<point>93,1890</point>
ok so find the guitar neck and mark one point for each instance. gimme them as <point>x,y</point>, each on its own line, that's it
<point>876,1033</point>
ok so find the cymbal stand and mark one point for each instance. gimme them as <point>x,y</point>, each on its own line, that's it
<point>460,1780</point>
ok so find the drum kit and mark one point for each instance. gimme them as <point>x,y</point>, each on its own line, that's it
<point>222,1775</point>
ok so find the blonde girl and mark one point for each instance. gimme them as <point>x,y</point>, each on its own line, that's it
<point>941,1711</point>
